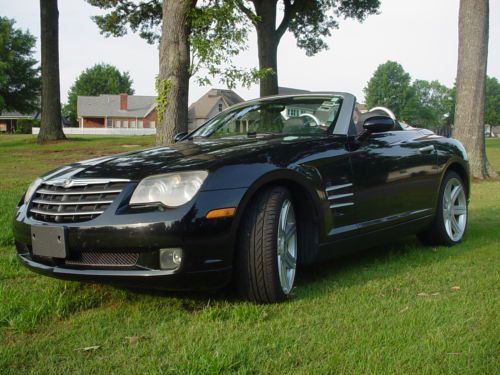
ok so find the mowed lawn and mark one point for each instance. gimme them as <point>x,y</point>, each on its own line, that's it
<point>398,309</point>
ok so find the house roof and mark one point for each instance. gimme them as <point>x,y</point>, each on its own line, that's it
<point>290,91</point>
<point>109,105</point>
<point>16,115</point>
<point>204,106</point>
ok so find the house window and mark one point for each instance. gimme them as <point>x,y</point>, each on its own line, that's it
<point>118,124</point>
<point>293,112</point>
<point>140,124</point>
<point>109,123</point>
<point>125,123</point>
<point>152,124</point>
<point>132,123</point>
<point>220,107</point>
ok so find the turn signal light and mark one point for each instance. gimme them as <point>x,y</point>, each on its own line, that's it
<point>221,212</point>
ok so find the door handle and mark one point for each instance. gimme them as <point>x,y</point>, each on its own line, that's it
<point>426,149</point>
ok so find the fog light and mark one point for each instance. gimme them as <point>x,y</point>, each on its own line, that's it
<point>170,259</point>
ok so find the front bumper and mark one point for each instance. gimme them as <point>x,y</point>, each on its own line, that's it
<point>151,279</point>
<point>207,244</point>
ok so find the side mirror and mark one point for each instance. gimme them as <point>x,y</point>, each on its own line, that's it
<point>378,124</point>
<point>179,136</point>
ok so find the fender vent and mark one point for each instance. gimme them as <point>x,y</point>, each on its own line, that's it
<point>340,195</point>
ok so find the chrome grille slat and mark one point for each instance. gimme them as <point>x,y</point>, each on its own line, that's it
<point>69,203</point>
<point>54,192</point>
<point>79,201</point>
<point>55,213</point>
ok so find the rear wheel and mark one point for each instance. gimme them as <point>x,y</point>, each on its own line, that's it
<point>268,247</point>
<point>450,221</point>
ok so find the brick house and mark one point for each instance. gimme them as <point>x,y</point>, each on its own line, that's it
<point>8,120</point>
<point>116,111</point>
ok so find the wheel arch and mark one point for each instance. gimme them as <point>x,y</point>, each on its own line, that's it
<point>306,204</point>
<point>461,170</point>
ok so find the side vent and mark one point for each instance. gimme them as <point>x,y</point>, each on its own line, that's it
<point>340,195</point>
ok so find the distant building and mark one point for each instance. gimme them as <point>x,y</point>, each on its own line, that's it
<point>116,111</point>
<point>210,104</point>
<point>291,91</point>
<point>8,120</point>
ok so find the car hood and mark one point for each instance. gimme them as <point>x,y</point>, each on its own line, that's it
<point>205,154</point>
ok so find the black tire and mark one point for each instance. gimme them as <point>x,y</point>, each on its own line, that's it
<point>258,274</point>
<point>436,234</point>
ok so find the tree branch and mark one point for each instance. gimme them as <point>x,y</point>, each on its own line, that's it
<point>285,22</point>
<point>247,11</point>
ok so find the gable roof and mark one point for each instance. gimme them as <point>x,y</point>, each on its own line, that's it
<point>204,106</point>
<point>6,115</point>
<point>109,105</point>
<point>291,91</point>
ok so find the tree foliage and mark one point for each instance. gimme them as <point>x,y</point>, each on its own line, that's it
<point>310,21</point>
<point>19,73</point>
<point>217,34</point>
<point>432,104</point>
<point>390,86</point>
<point>423,103</point>
<point>492,105</point>
<point>97,80</point>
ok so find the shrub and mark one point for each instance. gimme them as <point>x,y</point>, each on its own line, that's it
<point>24,126</point>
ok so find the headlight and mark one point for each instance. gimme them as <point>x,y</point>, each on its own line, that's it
<point>171,190</point>
<point>31,189</point>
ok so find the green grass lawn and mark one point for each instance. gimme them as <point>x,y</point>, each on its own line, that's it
<point>398,309</point>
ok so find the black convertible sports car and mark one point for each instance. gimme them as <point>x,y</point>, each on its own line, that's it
<point>259,190</point>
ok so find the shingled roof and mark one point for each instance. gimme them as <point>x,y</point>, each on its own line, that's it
<point>109,105</point>
<point>202,108</point>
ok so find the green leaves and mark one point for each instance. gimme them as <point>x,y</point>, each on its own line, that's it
<point>19,73</point>
<point>390,86</point>
<point>421,103</point>
<point>99,79</point>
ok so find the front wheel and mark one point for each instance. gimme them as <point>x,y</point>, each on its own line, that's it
<point>450,222</point>
<point>268,247</point>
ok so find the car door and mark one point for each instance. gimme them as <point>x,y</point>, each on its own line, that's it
<point>394,176</point>
<point>335,187</point>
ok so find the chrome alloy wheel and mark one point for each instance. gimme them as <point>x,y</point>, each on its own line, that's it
<point>454,209</point>
<point>287,246</point>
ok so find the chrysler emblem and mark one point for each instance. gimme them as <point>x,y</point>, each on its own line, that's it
<point>67,183</point>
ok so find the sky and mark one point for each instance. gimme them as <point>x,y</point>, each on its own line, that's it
<point>421,35</point>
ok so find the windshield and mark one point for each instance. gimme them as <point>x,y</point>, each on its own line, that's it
<point>293,115</point>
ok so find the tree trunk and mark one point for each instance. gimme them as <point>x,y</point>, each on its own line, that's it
<point>51,125</point>
<point>174,69</point>
<point>267,42</point>
<point>473,31</point>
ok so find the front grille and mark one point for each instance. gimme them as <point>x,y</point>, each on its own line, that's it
<point>101,259</point>
<point>83,200</point>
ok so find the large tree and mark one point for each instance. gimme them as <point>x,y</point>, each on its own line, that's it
<point>51,124</point>
<point>473,29</point>
<point>390,86</point>
<point>99,79</point>
<point>310,21</point>
<point>19,75</point>
<point>198,38</point>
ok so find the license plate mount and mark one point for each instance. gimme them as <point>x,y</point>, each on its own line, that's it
<point>48,241</point>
